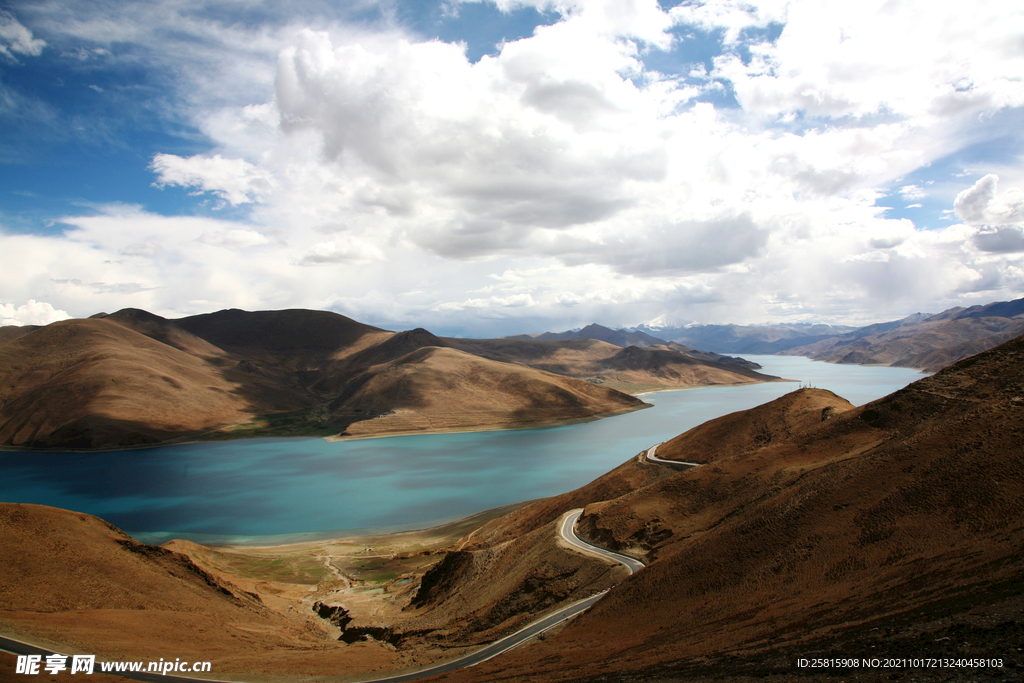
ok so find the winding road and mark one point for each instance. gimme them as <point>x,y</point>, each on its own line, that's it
<point>566,529</point>
<point>678,464</point>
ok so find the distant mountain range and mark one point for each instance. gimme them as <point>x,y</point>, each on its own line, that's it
<point>133,378</point>
<point>601,333</point>
<point>638,338</point>
<point>922,340</point>
<point>749,339</point>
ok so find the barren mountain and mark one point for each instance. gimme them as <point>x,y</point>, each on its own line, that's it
<point>753,339</point>
<point>437,389</point>
<point>624,338</point>
<point>813,530</point>
<point>632,368</point>
<point>73,583</point>
<point>600,333</point>
<point>73,579</point>
<point>133,378</point>
<point>926,342</point>
<point>12,332</point>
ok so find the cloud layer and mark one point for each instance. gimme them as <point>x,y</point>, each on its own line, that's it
<point>562,179</point>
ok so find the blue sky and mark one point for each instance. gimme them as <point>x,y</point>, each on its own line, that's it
<point>498,167</point>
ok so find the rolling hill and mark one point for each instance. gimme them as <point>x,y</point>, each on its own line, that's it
<point>132,378</point>
<point>921,341</point>
<point>811,529</point>
<point>814,529</point>
<point>631,369</point>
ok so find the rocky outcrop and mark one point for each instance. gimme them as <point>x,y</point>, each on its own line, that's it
<point>336,614</point>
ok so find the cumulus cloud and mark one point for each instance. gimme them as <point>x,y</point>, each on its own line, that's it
<point>387,176</point>
<point>31,313</point>
<point>344,249</point>
<point>674,249</point>
<point>836,58</point>
<point>979,205</point>
<point>1005,239</point>
<point>912,192</point>
<point>511,301</point>
<point>236,181</point>
<point>15,38</point>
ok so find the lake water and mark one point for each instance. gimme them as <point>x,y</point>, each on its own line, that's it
<point>273,490</point>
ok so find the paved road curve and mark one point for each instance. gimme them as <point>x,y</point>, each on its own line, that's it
<point>568,531</point>
<point>493,650</point>
<point>678,464</point>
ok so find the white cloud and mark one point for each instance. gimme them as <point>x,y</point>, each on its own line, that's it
<point>344,249</point>
<point>15,38</point>
<point>512,301</point>
<point>911,192</point>
<point>732,15</point>
<point>31,313</point>
<point>1004,239</point>
<point>979,205</point>
<point>917,59</point>
<point>236,181</point>
<point>234,239</point>
<point>388,177</point>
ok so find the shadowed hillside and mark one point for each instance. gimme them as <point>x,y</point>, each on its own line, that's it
<point>811,529</point>
<point>633,368</point>
<point>133,378</point>
<point>920,341</point>
<point>121,593</point>
<point>814,529</point>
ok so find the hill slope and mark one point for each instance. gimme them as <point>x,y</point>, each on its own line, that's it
<point>926,342</point>
<point>75,584</point>
<point>633,368</point>
<point>133,378</point>
<point>605,334</point>
<point>116,591</point>
<point>814,529</point>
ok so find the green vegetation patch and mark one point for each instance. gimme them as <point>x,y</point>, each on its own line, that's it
<point>293,569</point>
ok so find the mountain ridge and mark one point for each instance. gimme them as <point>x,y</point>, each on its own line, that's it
<point>811,528</point>
<point>132,378</point>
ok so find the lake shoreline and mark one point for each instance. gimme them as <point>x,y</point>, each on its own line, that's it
<point>274,490</point>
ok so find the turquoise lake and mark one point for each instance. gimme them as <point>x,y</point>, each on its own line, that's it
<point>275,490</point>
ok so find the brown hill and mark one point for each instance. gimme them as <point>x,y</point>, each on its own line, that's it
<point>84,383</point>
<point>441,389</point>
<point>111,590</point>
<point>631,369</point>
<point>73,583</point>
<point>11,332</point>
<point>893,529</point>
<point>132,378</point>
<point>296,338</point>
<point>926,342</point>
<point>621,338</point>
